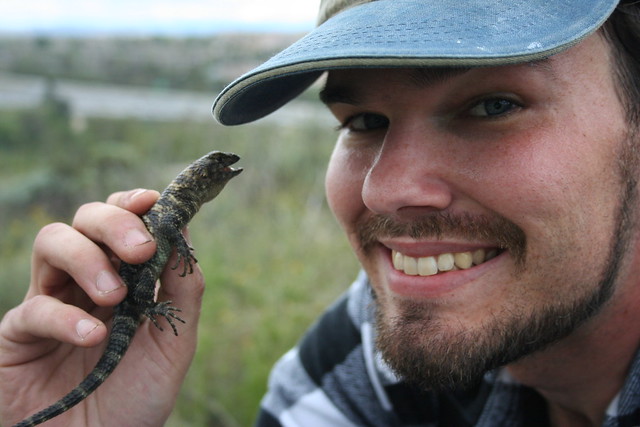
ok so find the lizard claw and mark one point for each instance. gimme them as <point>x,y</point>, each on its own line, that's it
<point>167,311</point>
<point>185,255</point>
<point>188,262</point>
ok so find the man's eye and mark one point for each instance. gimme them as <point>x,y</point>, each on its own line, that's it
<point>494,107</point>
<point>366,122</point>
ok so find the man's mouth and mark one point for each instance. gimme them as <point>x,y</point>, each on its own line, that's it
<point>431,265</point>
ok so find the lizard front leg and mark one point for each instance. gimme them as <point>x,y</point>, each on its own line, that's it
<point>184,254</point>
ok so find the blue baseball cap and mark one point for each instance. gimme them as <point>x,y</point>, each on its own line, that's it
<point>411,33</point>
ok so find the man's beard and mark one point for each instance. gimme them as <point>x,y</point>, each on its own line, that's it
<point>428,352</point>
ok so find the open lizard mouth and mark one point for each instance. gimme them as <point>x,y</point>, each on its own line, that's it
<point>232,171</point>
<point>223,161</point>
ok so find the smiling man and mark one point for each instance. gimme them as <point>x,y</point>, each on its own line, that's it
<point>493,212</point>
<point>486,175</point>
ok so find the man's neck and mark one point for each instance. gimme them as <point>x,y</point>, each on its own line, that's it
<point>582,374</point>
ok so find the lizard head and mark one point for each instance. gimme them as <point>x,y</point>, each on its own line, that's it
<point>210,173</point>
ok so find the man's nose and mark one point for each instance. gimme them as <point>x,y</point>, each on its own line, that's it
<point>408,175</point>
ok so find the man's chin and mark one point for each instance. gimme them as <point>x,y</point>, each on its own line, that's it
<point>437,363</point>
<point>442,354</point>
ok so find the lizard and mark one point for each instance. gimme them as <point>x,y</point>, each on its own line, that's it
<point>199,183</point>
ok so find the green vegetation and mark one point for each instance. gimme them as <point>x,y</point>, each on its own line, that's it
<point>272,254</point>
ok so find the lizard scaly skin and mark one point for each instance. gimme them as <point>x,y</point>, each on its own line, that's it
<point>199,183</point>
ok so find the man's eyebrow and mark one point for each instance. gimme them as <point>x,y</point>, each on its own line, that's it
<point>333,94</point>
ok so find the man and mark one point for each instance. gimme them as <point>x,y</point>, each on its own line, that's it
<point>486,175</point>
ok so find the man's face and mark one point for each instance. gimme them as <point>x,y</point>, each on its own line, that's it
<point>490,207</point>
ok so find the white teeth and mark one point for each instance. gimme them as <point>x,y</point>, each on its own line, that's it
<point>410,266</point>
<point>398,260</point>
<point>463,260</point>
<point>428,266</point>
<point>445,262</point>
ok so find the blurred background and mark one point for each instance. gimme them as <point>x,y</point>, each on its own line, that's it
<point>101,96</point>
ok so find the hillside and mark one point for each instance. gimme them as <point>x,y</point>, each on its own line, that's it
<point>178,63</point>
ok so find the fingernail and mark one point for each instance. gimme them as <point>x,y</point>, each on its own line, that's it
<point>107,282</point>
<point>135,237</point>
<point>138,192</point>
<point>84,327</point>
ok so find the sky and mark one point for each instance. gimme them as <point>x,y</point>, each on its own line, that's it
<point>162,17</point>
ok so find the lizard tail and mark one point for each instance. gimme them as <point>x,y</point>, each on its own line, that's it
<point>123,329</point>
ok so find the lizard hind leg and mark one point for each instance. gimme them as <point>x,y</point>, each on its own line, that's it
<point>165,310</point>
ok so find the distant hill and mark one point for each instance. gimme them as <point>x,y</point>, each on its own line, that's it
<point>200,64</point>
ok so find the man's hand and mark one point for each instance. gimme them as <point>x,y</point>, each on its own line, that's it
<point>54,338</point>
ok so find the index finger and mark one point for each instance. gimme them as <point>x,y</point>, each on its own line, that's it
<point>137,201</point>
<point>117,224</point>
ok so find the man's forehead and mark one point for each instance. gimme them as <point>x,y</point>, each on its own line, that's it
<point>341,84</point>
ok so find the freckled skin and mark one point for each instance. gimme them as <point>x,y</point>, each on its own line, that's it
<point>199,183</point>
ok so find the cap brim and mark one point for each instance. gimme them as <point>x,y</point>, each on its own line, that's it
<point>412,33</point>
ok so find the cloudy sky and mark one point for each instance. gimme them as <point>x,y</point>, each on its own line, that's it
<point>157,16</point>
